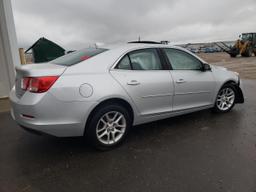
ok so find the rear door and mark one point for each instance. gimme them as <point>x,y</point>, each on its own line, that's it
<point>142,75</point>
<point>193,87</point>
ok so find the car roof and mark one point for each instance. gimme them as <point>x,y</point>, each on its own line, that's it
<point>124,48</point>
<point>130,46</point>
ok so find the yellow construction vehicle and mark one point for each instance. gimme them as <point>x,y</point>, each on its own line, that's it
<point>244,46</point>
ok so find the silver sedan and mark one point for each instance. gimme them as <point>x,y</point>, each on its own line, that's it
<point>100,93</point>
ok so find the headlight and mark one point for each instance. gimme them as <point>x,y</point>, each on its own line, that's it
<point>236,73</point>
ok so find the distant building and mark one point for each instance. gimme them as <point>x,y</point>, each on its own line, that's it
<point>205,47</point>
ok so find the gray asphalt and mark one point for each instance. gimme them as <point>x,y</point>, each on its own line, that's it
<point>198,152</point>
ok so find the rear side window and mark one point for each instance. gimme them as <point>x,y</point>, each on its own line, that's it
<point>77,56</point>
<point>124,63</point>
<point>145,59</point>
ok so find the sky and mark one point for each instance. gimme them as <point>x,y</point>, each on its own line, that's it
<point>74,24</point>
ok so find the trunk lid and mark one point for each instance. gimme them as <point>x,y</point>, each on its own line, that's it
<point>36,70</point>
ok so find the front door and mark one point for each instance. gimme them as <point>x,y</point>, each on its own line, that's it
<point>193,87</point>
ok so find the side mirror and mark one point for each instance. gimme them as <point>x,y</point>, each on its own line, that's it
<point>206,67</point>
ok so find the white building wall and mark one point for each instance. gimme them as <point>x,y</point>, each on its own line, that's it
<point>9,57</point>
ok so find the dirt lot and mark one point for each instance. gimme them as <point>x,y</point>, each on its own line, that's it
<point>246,67</point>
<point>197,152</point>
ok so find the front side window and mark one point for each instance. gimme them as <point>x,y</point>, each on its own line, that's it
<point>181,60</point>
<point>145,59</point>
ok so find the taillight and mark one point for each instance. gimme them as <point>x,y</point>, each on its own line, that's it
<point>25,83</point>
<point>38,84</point>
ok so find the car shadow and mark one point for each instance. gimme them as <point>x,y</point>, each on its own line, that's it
<point>139,136</point>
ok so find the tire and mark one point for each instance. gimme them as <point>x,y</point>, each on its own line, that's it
<point>226,98</point>
<point>247,53</point>
<point>233,52</point>
<point>108,126</point>
<point>233,55</point>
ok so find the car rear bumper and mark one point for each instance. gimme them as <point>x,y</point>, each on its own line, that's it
<point>49,115</point>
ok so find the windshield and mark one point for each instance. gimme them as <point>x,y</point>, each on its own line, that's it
<point>247,37</point>
<point>78,56</point>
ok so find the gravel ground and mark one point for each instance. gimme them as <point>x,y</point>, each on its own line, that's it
<point>245,66</point>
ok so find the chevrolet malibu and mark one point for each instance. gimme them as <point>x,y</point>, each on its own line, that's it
<point>100,93</point>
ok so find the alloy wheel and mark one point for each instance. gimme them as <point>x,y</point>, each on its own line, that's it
<point>225,99</point>
<point>111,127</point>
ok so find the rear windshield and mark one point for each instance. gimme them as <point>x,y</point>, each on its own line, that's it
<point>77,56</point>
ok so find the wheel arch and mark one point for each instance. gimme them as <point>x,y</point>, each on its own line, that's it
<point>239,93</point>
<point>109,101</point>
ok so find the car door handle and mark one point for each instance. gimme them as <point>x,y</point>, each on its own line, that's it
<point>180,81</point>
<point>133,82</point>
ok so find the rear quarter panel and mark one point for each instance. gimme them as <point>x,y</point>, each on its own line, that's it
<point>67,89</point>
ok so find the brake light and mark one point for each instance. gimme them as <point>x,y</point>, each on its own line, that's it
<point>83,58</point>
<point>38,84</point>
